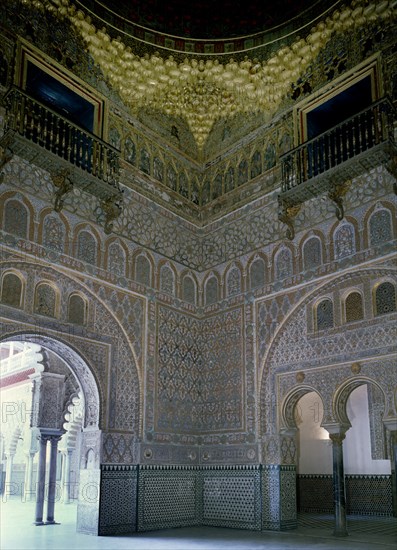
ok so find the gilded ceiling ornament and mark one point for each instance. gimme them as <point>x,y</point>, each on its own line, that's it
<point>203,91</point>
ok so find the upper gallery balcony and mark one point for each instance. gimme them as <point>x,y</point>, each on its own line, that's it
<point>328,162</point>
<point>73,156</point>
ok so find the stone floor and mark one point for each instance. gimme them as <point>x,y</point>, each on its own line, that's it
<point>18,533</point>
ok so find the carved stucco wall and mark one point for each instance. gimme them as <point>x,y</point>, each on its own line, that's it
<point>220,346</point>
<point>301,359</point>
<point>103,349</point>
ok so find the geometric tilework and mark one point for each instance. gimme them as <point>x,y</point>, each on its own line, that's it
<point>369,495</point>
<point>231,498</point>
<point>365,494</point>
<point>117,512</point>
<point>315,493</point>
<point>168,497</point>
<point>251,497</point>
<point>278,497</point>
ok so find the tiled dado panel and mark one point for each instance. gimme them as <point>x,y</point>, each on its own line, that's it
<point>168,497</point>
<point>279,497</point>
<point>118,500</point>
<point>369,495</point>
<point>315,493</point>
<point>365,494</point>
<point>245,497</point>
<point>231,497</point>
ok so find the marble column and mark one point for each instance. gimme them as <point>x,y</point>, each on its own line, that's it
<point>41,481</point>
<point>52,482</point>
<point>391,426</point>
<point>9,464</point>
<point>66,477</point>
<point>28,491</point>
<point>340,529</point>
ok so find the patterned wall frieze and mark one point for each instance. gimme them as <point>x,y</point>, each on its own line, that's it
<point>278,497</point>
<point>231,498</point>
<point>252,228</point>
<point>365,494</point>
<point>117,513</point>
<point>168,454</point>
<point>229,454</point>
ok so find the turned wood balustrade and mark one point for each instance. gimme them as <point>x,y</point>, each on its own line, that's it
<point>73,156</point>
<point>328,162</point>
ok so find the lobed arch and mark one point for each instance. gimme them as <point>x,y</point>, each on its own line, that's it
<point>287,421</point>
<point>121,345</point>
<point>79,366</point>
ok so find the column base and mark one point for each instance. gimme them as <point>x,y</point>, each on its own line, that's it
<point>340,534</point>
<point>52,522</point>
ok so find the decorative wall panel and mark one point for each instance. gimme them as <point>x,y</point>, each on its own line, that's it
<point>168,497</point>
<point>200,375</point>
<point>278,497</point>
<point>231,497</point>
<point>117,514</point>
<point>365,494</point>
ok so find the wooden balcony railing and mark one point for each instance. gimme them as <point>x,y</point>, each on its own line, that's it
<point>327,162</point>
<point>72,155</point>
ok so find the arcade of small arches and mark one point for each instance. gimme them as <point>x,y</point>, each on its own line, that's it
<point>284,263</point>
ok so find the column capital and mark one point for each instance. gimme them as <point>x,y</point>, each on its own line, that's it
<point>48,434</point>
<point>390,424</point>
<point>336,429</point>
<point>337,438</point>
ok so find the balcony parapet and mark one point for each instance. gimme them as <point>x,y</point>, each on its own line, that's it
<point>329,162</point>
<point>72,155</point>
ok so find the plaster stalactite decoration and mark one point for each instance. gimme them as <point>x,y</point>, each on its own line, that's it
<point>203,91</point>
